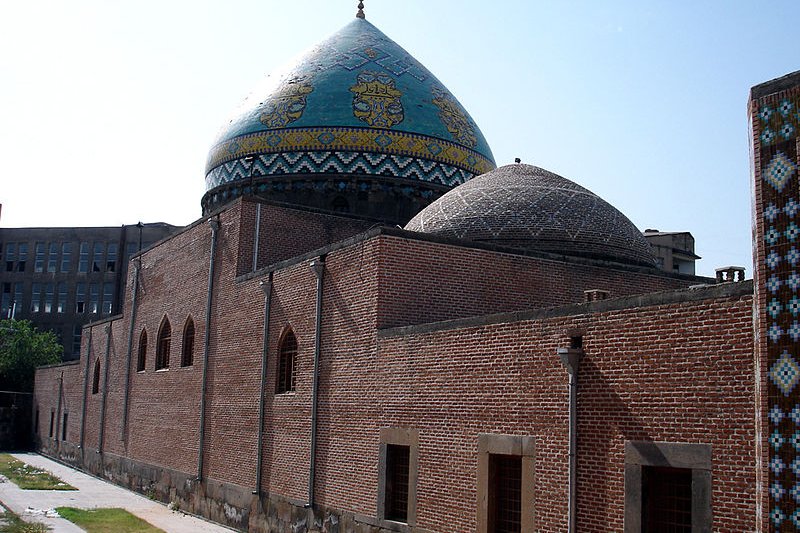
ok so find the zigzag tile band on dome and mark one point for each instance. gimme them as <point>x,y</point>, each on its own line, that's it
<point>302,163</point>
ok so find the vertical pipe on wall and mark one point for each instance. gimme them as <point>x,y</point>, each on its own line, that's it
<point>318,266</point>
<point>137,264</point>
<point>85,389</point>
<point>256,237</point>
<point>214,223</point>
<point>571,358</point>
<point>266,286</point>
<point>105,391</point>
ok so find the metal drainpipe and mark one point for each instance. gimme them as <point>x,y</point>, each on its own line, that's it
<point>318,266</point>
<point>137,265</point>
<point>58,408</point>
<point>571,358</point>
<point>85,388</point>
<point>266,286</point>
<point>256,237</point>
<point>214,223</point>
<point>105,391</point>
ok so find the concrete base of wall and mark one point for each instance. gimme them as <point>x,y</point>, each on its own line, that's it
<point>232,505</point>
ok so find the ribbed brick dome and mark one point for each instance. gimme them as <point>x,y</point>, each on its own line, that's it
<point>524,206</point>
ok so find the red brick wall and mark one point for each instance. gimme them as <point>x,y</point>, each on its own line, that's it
<point>424,282</point>
<point>285,233</point>
<point>678,373</point>
<point>641,367</point>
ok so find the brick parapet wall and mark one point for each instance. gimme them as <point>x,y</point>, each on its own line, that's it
<point>423,281</point>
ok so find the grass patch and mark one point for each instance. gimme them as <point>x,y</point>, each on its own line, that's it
<point>107,520</point>
<point>26,476</point>
<point>11,523</point>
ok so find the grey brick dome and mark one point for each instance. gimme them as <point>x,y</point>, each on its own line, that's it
<point>527,207</point>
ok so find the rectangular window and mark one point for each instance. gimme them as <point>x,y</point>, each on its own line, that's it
<point>62,297</point>
<point>666,499</point>
<point>668,487</point>
<point>108,294</point>
<point>52,423</point>
<point>5,301</point>
<point>97,257</point>
<point>111,257</point>
<point>11,256</point>
<point>80,298</point>
<point>397,482</point>
<point>16,303</point>
<point>505,483</point>
<point>36,297</point>
<point>94,298</point>
<point>64,427</point>
<point>52,257</point>
<point>38,264</point>
<point>48,297</point>
<point>130,249</point>
<point>397,458</point>
<point>505,493</point>
<point>66,256</point>
<point>23,256</point>
<point>76,339</point>
<point>83,257</point>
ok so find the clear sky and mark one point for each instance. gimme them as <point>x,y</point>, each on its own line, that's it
<point>108,107</point>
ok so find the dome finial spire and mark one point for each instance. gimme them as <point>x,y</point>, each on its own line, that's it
<point>360,13</point>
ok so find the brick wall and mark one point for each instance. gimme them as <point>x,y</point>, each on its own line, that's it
<point>284,232</point>
<point>644,360</point>
<point>427,281</point>
<point>678,372</point>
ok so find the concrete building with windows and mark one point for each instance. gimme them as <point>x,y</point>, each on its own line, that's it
<point>674,250</point>
<point>510,360</point>
<point>64,278</point>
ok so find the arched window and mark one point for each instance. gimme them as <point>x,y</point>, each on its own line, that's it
<point>286,361</point>
<point>142,360</point>
<point>162,346</point>
<point>96,377</point>
<point>187,353</point>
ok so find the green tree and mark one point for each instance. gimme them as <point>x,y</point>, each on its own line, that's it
<point>22,349</point>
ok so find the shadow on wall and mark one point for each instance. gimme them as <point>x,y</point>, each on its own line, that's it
<point>15,421</point>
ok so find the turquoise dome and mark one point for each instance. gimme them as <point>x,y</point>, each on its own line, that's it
<point>357,103</point>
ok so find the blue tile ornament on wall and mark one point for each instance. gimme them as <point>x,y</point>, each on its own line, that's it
<point>777,124</point>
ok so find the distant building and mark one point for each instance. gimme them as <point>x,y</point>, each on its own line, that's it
<point>674,250</point>
<point>63,278</point>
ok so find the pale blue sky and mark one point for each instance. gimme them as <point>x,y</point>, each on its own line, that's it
<point>108,108</point>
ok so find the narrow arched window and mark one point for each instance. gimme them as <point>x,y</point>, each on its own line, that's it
<point>286,361</point>
<point>142,360</point>
<point>187,352</point>
<point>162,346</point>
<point>96,377</point>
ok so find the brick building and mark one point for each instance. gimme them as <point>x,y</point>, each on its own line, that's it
<point>510,360</point>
